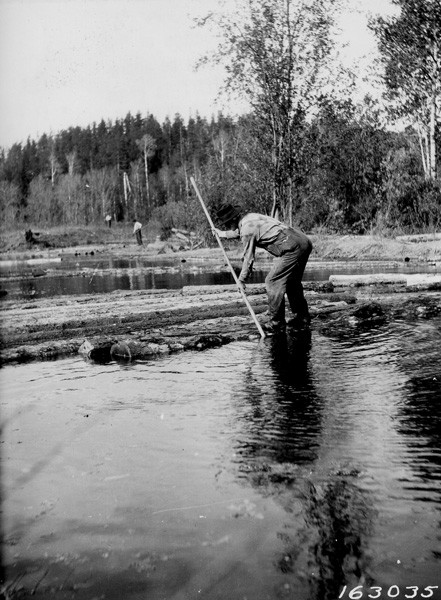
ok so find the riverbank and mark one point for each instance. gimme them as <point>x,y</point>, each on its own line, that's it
<point>120,241</point>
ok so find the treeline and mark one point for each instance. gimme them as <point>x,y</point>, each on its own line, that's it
<point>352,174</point>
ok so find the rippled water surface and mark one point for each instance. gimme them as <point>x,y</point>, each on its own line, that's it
<point>284,468</point>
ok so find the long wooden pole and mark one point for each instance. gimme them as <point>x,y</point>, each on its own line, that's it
<point>240,288</point>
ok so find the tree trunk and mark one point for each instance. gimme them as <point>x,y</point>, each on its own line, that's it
<point>275,206</point>
<point>433,114</point>
<point>432,152</point>
<point>146,178</point>
<point>422,150</point>
<point>126,192</point>
<point>290,201</point>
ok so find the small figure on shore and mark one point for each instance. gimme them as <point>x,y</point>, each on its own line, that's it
<point>137,231</point>
<point>29,237</point>
<point>289,245</point>
<point>31,240</point>
<point>109,221</point>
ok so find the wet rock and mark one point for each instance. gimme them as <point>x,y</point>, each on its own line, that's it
<point>426,307</point>
<point>367,314</point>
<point>208,341</point>
<point>38,272</point>
<point>98,349</point>
<point>371,310</point>
<point>125,350</point>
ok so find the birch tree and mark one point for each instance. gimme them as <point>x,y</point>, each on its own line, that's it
<point>276,55</point>
<point>147,145</point>
<point>410,47</point>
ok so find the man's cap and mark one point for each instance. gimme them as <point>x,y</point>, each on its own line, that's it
<point>228,213</point>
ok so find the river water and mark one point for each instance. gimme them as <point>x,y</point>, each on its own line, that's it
<point>71,275</point>
<point>297,467</point>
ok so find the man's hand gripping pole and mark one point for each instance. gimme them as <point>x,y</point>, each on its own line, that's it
<point>240,288</point>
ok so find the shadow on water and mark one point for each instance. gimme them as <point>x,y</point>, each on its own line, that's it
<point>328,521</point>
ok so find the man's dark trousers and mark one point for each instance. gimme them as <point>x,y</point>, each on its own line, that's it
<point>285,277</point>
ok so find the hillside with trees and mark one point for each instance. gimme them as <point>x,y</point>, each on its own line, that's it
<point>305,152</point>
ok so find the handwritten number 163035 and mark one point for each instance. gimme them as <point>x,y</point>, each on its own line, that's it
<point>376,592</point>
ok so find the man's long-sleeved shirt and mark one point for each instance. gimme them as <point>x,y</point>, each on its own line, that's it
<point>261,231</point>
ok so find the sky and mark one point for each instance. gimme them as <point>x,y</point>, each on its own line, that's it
<point>70,63</point>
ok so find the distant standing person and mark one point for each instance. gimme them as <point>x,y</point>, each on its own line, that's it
<point>109,221</point>
<point>137,231</point>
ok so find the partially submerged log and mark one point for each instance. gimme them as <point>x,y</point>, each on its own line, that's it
<point>327,318</point>
<point>144,324</point>
<point>427,281</point>
<point>100,349</point>
<point>252,288</point>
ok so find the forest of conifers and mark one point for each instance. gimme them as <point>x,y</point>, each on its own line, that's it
<point>352,174</point>
<point>305,151</point>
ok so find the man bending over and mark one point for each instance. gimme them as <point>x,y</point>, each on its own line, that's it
<point>289,245</point>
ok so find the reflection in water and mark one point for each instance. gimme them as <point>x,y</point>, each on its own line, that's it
<point>60,285</point>
<point>92,274</point>
<point>285,420</point>
<point>329,521</point>
<point>338,518</point>
<point>284,469</point>
<point>419,415</point>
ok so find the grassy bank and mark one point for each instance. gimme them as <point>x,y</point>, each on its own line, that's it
<point>67,237</point>
<point>119,239</point>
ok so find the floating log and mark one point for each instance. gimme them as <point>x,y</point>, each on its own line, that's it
<point>102,349</point>
<point>425,281</point>
<point>418,281</point>
<point>251,288</point>
<point>371,279</point>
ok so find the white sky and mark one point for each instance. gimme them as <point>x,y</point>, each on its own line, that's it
<point>73,62</point>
